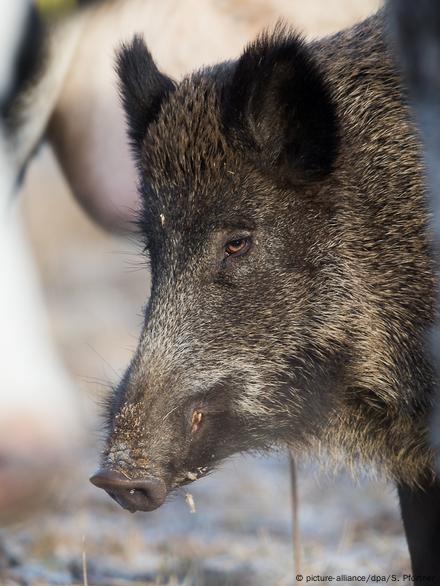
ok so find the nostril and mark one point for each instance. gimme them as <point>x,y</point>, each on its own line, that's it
<point>135,495</point>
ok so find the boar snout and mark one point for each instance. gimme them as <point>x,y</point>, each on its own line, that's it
<point>134,495</point>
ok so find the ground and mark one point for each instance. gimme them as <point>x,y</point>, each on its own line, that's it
<point>240,534</point>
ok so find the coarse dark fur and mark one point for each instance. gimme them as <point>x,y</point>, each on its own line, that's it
<point>314,336</point>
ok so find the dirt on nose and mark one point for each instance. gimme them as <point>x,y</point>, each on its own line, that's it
<point>144,494</point>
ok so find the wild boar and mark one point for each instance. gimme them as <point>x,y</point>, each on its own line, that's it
<point>292,276</point>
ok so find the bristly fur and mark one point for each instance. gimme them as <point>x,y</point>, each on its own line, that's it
<point>142,88</point>
<point>315,337</point>
<point>279,103</point>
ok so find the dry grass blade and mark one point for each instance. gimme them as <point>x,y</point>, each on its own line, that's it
<point>190,501</point>
<point>296,537</point>
<point>84,562</point>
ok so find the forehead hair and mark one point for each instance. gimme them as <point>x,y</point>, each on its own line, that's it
<point>185,147</point>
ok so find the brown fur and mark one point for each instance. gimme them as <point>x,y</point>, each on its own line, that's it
<point>316,337</point>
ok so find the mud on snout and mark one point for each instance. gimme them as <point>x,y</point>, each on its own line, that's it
<point>161,443</point>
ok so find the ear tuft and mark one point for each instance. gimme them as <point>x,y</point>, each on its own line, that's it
<point>279,107</point>
<point>143,88</point>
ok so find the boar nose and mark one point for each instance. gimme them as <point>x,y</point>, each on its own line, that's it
<point>144,494</point>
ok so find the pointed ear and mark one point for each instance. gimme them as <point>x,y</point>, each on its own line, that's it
<point>143,88</point>
<point>279,108</point>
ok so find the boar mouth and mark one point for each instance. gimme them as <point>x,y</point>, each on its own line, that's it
<point>145,494</point>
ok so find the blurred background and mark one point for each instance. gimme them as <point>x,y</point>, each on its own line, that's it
<point>95,286</point>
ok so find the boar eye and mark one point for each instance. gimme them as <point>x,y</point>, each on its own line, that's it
<point>196,420</point>
<point>237,247</point>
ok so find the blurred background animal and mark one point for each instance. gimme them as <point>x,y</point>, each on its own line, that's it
<point>38,411</point>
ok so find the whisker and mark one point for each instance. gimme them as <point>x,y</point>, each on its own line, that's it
<point>169,412</point>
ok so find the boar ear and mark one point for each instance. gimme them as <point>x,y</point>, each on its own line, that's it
<point>143,88</point>
<point>278,104</point>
